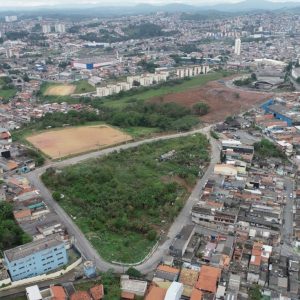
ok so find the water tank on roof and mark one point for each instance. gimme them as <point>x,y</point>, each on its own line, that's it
<point>89,269</point>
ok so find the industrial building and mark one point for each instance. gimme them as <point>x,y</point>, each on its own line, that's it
<point>92,63</point>
<point>281,111</point>
<point>36,258</point>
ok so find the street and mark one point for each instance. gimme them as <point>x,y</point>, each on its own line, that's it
<point>83,243</point>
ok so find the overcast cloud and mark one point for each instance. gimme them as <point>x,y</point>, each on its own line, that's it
<point>35,3</point>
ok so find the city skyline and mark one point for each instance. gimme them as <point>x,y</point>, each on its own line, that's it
<point>39,3</point>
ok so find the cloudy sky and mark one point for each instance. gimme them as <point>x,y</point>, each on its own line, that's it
<point>32,3</point>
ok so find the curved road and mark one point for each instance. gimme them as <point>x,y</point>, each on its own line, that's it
<point>83,243</point>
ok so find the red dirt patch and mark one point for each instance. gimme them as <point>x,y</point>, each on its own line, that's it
<point>223,101</point>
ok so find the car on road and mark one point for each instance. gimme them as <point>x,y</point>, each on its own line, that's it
<point>291,195</point>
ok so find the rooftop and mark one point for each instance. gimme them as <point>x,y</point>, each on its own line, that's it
<point>33,247</point>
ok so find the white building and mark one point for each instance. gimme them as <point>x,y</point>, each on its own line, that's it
<point>33,293</point>
<point>175,291</point>
<point>103,91</point>
<point>237,47</point>
<point>46,28</point>
<point>11,19</point>
<point>60,28</point>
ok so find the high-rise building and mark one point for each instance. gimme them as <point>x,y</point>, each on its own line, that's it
<point>60,28</point>
<point>11,18</point>
<point>237,47</point>
<point>46,28</point>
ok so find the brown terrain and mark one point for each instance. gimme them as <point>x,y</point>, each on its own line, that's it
<point>222,100</point>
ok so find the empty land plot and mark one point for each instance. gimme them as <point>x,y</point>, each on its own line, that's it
<point>223,101</point>
<point>75,140</point>
<point>60,90</point>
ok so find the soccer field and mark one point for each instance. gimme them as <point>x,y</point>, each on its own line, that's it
<point>76,140</point>
<point>60,90</point>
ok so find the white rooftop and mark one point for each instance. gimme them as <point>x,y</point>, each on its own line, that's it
<point>33,293</point>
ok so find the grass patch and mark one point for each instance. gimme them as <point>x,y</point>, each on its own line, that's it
<point>7,90</point>
<point>82,86</point>
<point>164,90</point>
<point>110,282</point>
<point>140,132</point>
<point>131,195</point>
<point>265,149</point>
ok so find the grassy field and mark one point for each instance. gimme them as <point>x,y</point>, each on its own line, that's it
<point>82,86</point>
<point>133,195</point>
<point>6,94</point>
<point>188,84</point>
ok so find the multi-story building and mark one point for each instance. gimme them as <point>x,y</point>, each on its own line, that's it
<point>46,28</point>
<point>60,28</point>
<point>36,258</point>
<point>237,47</point>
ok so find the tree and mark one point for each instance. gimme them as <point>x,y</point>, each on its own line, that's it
<point>254,292</point>
<point>132,272</point>
<point>201,108</point>
<point>253,77</point>
<point>56,196</point>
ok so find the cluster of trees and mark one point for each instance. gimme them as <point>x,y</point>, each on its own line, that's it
<point>124,192</point>
<point>266,148</point>
<point>246,81</point>
<point>11,235</point>
<point>165,116</point>
<point>144,30</point>
<point>16,35</point>
<point>148,66</point>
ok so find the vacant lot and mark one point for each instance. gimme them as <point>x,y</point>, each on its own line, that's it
<point>70,141</point>
<point>60,90</point>
<point>185,85</point>
<point>129,197</point>
<point>223,101</point>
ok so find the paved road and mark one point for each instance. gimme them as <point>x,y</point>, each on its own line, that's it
<point>81,241</point>
<point>287,228</point>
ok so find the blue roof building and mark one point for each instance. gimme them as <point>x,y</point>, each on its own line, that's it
<point>36,258</point>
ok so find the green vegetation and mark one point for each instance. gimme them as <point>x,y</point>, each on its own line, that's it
<point>132,272</point>
<point>147,66</point>
<point>266,148</point>
<point>214,135</point>
<point>169,87</point>
<point>201,108</point>
<point>82,86</point>
<point>255,293</point>
<point>110,282</point>
<point>7,90</point>
<point>37,156</point>
<point>128,196</point>
<point>11,235</point>
<point>246,81</point>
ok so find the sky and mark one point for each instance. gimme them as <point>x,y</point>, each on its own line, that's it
<point>36,3</point>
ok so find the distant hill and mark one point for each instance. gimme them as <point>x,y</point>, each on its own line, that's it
<point>243,6</point>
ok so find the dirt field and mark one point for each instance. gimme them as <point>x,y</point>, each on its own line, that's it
<point>60,90</point>
<point>75,140</point>
<point>223,101</point>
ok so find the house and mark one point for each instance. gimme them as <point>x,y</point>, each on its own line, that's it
<point>208,279</point>
<point>80,295</point>
<point>97,292</point>
<point>58,293</point>
<point>175,291</point>
<point>156,293</point>
<point>33,293</point>
<point>136,287</point>
<point>179,246</point>
<point>167,273</point>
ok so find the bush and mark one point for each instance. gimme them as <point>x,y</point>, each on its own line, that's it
<point>132,272</point>
<point>152,235</point>
<point>201,108</point>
